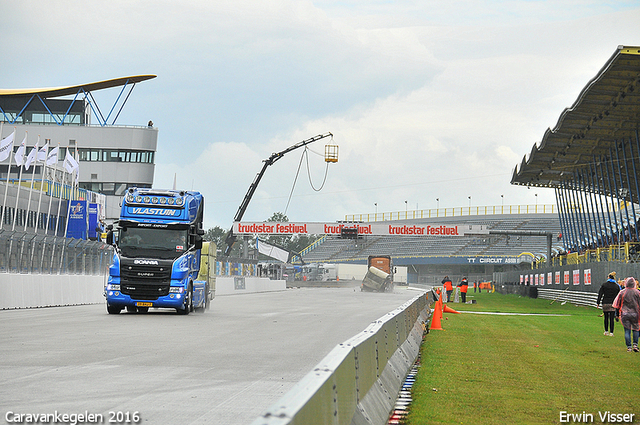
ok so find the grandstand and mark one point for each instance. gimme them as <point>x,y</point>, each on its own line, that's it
<point>429,258</point>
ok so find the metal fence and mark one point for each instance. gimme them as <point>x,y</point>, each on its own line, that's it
<point>453,212</point>
<point>29,253</point>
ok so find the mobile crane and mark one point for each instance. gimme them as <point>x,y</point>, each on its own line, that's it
<point>231,238</point>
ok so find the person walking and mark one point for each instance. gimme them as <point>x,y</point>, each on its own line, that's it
<point>448,287</point>
<point>607,293</point>
<point>628,301</point>
<point>464,286</point>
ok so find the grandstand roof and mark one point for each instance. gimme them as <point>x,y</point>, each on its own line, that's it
<point>72,90</point>
<point>606,112</point>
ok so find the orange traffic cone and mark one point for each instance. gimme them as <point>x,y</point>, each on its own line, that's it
<point>437,317</point>
<point>448,309</point>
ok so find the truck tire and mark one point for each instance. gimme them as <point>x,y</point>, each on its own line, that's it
<point>113,309</point>
<point>188,303</point>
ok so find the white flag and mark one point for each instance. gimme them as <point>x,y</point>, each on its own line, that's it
<point>31,157</point>
<point>42,153</point>
<point>19,157</point>
<point>70,163</point>
<point>6,146</point>
<point>52,158</point>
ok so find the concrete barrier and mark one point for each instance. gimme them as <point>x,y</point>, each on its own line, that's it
<point>35,290</point>
<point>358,381</point>
<point>232,285</point>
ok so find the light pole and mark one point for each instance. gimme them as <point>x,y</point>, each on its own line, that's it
<point>406,208</point>
<point>376,205</point>
<point>438,203</point>
<point>502,196</point>
<point>469,204</point>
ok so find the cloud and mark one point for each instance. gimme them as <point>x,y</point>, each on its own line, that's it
<point>425,99</point>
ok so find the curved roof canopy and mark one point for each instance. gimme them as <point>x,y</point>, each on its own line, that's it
<point>73,90</point>
<point>16,104</point>
<point>606,112</point>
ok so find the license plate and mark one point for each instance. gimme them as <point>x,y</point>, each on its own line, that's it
<point>141,304</point>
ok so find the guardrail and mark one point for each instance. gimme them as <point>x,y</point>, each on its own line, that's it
<point>359,380</point>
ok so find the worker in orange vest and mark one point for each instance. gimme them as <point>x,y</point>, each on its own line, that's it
<point>448,286</point>
<point>464,286</point>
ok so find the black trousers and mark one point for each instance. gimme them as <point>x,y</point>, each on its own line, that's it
<point>609,317</point>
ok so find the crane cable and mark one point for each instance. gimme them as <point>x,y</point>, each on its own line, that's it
<point>305,153</point>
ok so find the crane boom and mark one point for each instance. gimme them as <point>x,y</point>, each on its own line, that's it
<point>231,238</point>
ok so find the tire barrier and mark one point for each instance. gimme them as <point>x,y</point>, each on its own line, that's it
<point>359,380</point>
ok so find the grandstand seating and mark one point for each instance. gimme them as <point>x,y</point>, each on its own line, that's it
<point>336,249</point>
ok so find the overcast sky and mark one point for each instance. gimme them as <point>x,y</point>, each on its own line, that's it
<point>426,99</point>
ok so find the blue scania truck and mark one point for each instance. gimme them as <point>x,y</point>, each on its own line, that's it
<point>156,261</point>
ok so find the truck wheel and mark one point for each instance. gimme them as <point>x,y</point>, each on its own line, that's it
<point>188,303</point>
<point>113,309</point>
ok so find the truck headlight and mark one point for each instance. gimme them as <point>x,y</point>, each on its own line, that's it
<point>176,289</point>
<point>112,287</point>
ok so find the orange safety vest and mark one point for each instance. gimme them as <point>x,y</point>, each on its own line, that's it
<point>448,285</point>
<point>464,286</point>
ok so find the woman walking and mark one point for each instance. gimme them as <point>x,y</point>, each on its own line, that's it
<point>628,301</point>
<point>608,292</point>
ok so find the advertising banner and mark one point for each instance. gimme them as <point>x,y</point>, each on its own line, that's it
<point>77,220</point>
<point>576,277</point>
<point>334,229</point>
<point>93,222</point>
<point>587,276</point>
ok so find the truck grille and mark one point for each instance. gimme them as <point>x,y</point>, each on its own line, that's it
<point>144,290</point>
<point>145,282</point>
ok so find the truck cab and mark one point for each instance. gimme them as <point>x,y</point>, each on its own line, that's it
<point>156,260</point>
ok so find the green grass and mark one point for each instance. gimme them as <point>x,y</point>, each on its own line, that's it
<point>491,369</point>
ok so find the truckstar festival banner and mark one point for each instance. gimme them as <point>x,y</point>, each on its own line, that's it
<point>378,229</point>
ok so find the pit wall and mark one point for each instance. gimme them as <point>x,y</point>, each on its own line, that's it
<point>359,380</point>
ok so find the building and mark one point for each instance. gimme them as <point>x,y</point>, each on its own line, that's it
<point>112,157</point>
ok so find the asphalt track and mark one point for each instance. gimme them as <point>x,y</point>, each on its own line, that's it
<point>226,366</point>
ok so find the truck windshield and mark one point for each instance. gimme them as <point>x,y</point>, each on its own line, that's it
<point>155,243</point>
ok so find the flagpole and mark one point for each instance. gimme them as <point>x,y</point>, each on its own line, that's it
<point>66,227</point>
<point>60,200</point>
<point>15,211</point>
<point>53,186</point>
<point>44,172</point>
<point>55,232</point>
<point>58,219</point>
<point>6,187</point>
<point>33,175</point>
